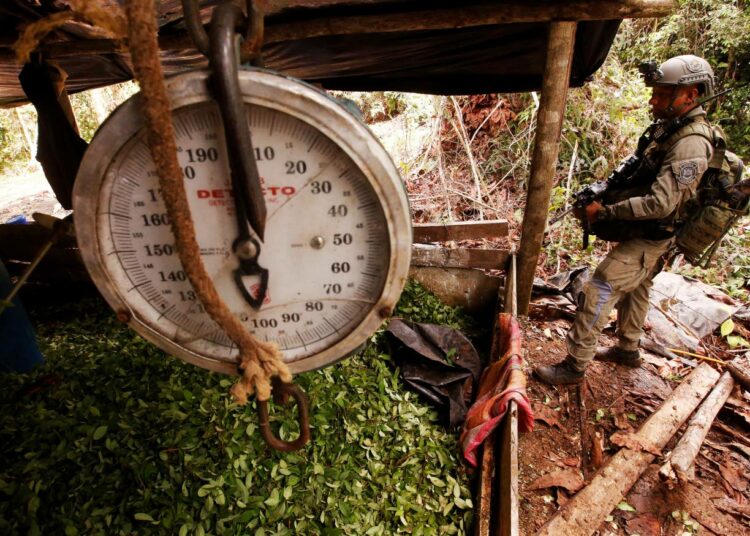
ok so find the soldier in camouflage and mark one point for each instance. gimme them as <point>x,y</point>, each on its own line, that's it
<point>624,277</point>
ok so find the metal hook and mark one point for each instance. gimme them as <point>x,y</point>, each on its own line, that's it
<point>281,393</point>
<point>251,46</point>
<point>192,15</point>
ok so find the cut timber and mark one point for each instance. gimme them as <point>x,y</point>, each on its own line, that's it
<point>468,230</point>
<point>585,512</point>
<point>486,259</point>
<point>740,373</point>
<point>678,467</point>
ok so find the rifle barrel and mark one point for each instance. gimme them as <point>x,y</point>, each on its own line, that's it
<point>562,215</point>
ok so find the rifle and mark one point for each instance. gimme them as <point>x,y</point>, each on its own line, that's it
<point>595,192</point>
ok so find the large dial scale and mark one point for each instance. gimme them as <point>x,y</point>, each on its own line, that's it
<point>337,239</point>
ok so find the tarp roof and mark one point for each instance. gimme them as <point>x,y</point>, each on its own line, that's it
<point>368,45</point>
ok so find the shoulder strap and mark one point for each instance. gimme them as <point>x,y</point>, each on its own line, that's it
<point>697,127</point>
<point>720,148</point>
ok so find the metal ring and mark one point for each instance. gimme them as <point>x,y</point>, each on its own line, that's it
<point>281,393</point>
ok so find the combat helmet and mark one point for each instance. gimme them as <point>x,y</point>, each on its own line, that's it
<point>680,71</point>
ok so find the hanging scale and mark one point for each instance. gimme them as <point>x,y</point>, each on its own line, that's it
<point>303,227</point>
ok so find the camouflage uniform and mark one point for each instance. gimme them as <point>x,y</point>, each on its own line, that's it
<point>624,278</point>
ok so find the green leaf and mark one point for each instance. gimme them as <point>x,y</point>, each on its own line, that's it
<point>625,507</point>
<point>736,340</point>
<point>727,327</point>
<point>100,432</point>
<point>143,517</point>
<point>273,500</point>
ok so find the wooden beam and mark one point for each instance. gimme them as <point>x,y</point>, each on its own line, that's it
<point>585,512</point>
<point>467,230</point>
<point>486,259</point>
<point>560,43</point>
<point>510,12</point>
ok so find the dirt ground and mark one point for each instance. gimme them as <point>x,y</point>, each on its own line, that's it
<point>619,398</point>
<point>613,398</point>
<point>26,194</point>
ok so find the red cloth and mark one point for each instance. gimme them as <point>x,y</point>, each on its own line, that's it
<point>503,381</point>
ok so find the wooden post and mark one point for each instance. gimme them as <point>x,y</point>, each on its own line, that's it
<point>560,43</point>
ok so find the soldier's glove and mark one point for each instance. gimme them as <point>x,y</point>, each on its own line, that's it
<point>592,212</point>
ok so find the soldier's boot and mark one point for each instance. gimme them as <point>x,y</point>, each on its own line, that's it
<point>559,374</point>
<point>628,358</point>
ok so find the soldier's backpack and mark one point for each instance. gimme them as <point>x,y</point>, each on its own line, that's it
<point>716,207</point>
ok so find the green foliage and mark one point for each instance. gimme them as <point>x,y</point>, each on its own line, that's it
<point>18,126</point>
<point>132,441</point>
<point>378,106</point>
<point>18,133</point>
<point>717,30</point>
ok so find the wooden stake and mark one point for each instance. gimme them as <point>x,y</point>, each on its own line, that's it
<point>678,467</point>
<point>585,512</point>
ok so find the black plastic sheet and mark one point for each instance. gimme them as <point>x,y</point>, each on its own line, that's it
<point>437,362</point>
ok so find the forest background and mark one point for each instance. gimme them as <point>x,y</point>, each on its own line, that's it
<point>468,157</point>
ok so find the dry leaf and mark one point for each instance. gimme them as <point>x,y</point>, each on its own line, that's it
<point>631,441</point>
<point>547,415</point>
<point>597,450</point>
<point>644,524</point>
<point>570,479</point>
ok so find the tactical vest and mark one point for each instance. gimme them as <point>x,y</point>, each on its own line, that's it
<point>715,208</point>
<point>640,184</point>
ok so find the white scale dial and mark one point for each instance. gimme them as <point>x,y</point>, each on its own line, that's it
<point>328,246</point>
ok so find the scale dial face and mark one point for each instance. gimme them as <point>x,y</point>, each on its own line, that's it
<point>337,237</point>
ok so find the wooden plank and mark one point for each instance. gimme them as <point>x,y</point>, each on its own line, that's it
<point>22,242</point>
<point>483,511</point>
<point>544,158</point>
<point>397,19</point>
<point>510,299</point>
<point>507,523</point>
<point>471,289</point>
<point>585,512</point>
<point>486,259</point>
<point>467,230</point>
